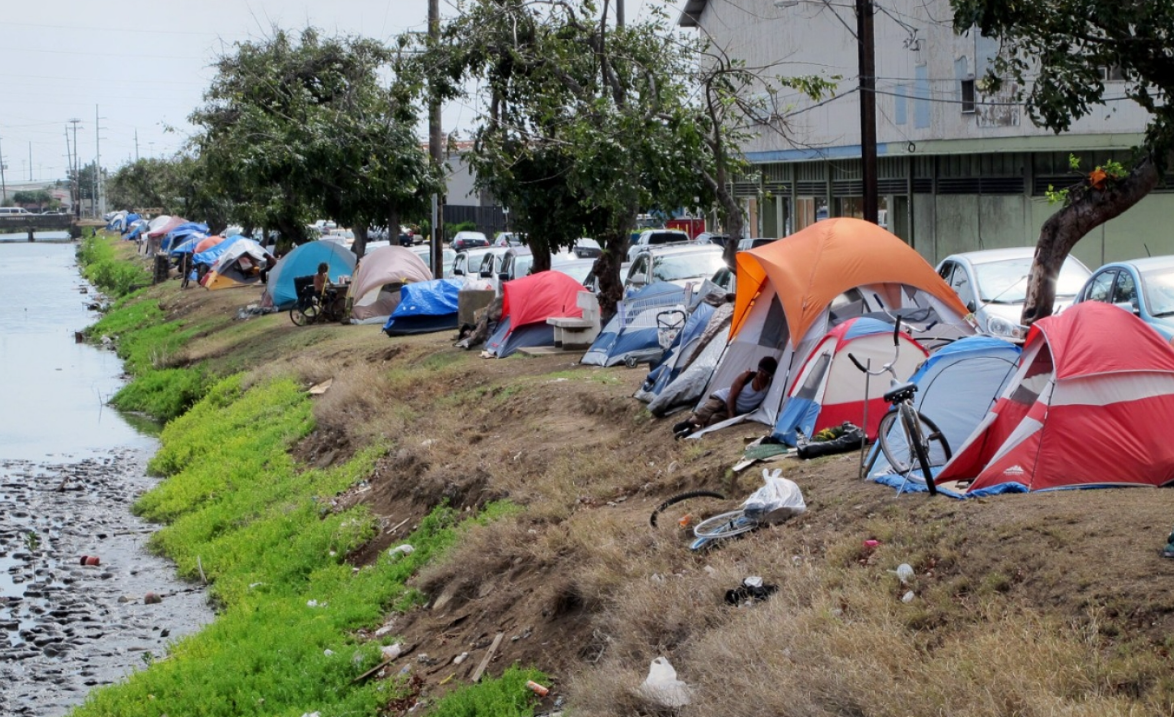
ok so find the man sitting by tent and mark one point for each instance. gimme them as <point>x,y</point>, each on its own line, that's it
<point>743,396</point>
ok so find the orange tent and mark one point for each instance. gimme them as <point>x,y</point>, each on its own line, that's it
<point>812,267</point>
<point>208,243</point>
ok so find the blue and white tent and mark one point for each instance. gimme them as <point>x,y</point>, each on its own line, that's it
<point>633,331</point>
<point>425,307</point>
<point>304,261</point>
<point>180,233</point>
<point>956,387</point>
<point>210,255</point>
<point>188,244</point>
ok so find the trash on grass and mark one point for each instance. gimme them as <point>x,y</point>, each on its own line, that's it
<point>662,686</point>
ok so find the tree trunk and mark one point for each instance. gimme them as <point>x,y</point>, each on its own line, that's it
<point>733,227</point>
<point>393,224</point>
<point>607,270</point>
<point>359,247</point>
<point>1087,209</point>
<point>540,250</point>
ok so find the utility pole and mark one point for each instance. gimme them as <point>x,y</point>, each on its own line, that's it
<point>136,145</point>
<point>3,183</point>
<point>99,199</point>
<point>77,179</point>
<point>30,161</point>
<point>619,13</point>
<point>864,13</point>
<point>435,149</point>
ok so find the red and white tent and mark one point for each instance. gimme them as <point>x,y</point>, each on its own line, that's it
<point>1091,404</point>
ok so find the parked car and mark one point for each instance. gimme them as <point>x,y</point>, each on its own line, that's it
<point>656,237</point>
<point>516,263</point>
<point>469,240</point>
<point>753,243</point>
<point>490,267</point>
<point>467,262</point>
<point>679,265</point>
<point>711,238</point>
<point>425,253</point>
<point>507,239</point>
<point>993,285</point>
<point>1143,286</point>
<point>725,278</point>
<point>587,248</point>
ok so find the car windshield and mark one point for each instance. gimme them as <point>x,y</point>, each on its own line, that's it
<point>577,270</point>
<point>1005,282</point>
<point>522,264</point>
<point>1159,291</point>
<point>681,267</point>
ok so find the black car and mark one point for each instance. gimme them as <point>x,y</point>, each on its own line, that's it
<point>469,240</point>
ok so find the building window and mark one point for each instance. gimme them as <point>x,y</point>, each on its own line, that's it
<point>1112,74</point>
<point>967,97</point>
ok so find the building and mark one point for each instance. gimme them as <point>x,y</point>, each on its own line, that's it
<point>958,169</point>
<point>463,201</point>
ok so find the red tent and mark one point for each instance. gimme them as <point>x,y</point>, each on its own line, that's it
<point>1090,405</point>
<point>538,297</point>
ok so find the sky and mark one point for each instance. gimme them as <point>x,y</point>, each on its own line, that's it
<point>133,70</point>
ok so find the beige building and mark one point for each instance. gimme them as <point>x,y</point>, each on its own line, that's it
<point>958,169</point>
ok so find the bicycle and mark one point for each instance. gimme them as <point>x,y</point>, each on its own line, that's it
<point>907,437</point>
<point>314,308</point>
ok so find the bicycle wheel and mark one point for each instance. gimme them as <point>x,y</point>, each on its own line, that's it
<point>898,447</point>
<point>725,525</point>
<point>298,317</point>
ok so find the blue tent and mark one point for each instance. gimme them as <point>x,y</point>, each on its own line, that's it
<point>181,232</point>
<point>139,227</point>
<point>633,331</point>
<point>425,307</point>
<point>188,244</point>
<point>956,387</point>
<point>504,342</point>
<point>211,254</point>
<point>304,261</point>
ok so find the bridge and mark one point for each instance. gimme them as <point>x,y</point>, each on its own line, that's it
<point>33,223</point>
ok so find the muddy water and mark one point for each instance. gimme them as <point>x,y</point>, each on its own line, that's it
<point>70,468</point>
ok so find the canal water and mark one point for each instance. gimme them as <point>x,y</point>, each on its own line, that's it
<point>70,469</point>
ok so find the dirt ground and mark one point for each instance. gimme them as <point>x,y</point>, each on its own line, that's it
<point>582,587</point>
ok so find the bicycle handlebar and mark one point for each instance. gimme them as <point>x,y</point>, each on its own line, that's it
<point>858,364</point>
<point>896,330</point>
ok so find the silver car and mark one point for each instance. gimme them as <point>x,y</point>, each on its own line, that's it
<point>993,285</point>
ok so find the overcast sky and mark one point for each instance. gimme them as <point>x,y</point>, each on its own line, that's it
<point>146,63</point>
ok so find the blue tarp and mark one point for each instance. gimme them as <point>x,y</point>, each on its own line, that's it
<point>181,232</point>
<point>424,307</point>
<point>209,256</point>
<point>304,261</point>
<point>504,342</point>
<point>136,231</point>
<point>188,245</point>
<point>665,372</point>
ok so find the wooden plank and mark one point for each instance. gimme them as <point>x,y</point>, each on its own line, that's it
<point>488,656</point>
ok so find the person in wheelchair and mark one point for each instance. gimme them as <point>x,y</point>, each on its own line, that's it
<point>322,279</point>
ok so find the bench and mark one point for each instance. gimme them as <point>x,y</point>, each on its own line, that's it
<point>574,333</point>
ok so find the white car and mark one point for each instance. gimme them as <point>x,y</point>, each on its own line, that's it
<point>993,285</point>
<point>679,265</point>
<point>656,237</point>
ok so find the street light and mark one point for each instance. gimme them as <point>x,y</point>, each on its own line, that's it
<point>866,61</point>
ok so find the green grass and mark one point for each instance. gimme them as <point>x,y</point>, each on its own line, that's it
<point>504,697</point>
<point>105,270</point>
<point>262,530</point>
<point>164,394</point>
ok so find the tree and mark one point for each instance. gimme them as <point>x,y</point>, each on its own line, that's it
<point>296,129</point>
<point>40,197</point>
<point>1058,51</point>
<point>587,125</point>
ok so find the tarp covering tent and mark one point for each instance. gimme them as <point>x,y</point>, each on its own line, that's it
<point>377,282</point>
<point>633,332</point>
<point>526,305</point>
<point>425,307</point>
<point>679,354</point>
<point>158,230</point>
<point>1091,404</point>
<point>190,244</point>
<point>211,254</point>
<point>159,222</point>
<point>117,221</point>
<point>956,388</point>
<point>207,243</point>
<point>791,292</point>
<point>136,229</point>
<point>179,234</point>
<point>304,261</point>
<point>829,389</point>
<point>693,372</point>
<point>239,265</point>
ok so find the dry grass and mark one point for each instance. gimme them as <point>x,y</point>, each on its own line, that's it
<point>1024,605</point>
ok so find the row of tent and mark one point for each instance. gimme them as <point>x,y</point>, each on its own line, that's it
<point>1085,403</point>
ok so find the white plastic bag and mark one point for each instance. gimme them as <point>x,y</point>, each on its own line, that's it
<point>662,686</point>
<point>775,501</point>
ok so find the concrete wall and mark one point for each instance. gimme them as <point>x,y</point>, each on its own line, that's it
<point>949,224</point>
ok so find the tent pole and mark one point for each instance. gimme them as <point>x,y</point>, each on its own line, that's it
<point>864,428</point>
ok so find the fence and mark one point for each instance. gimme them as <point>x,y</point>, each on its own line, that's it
<point>488,219</point>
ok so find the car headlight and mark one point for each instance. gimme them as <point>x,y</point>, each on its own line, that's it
<point>1004,329</point>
